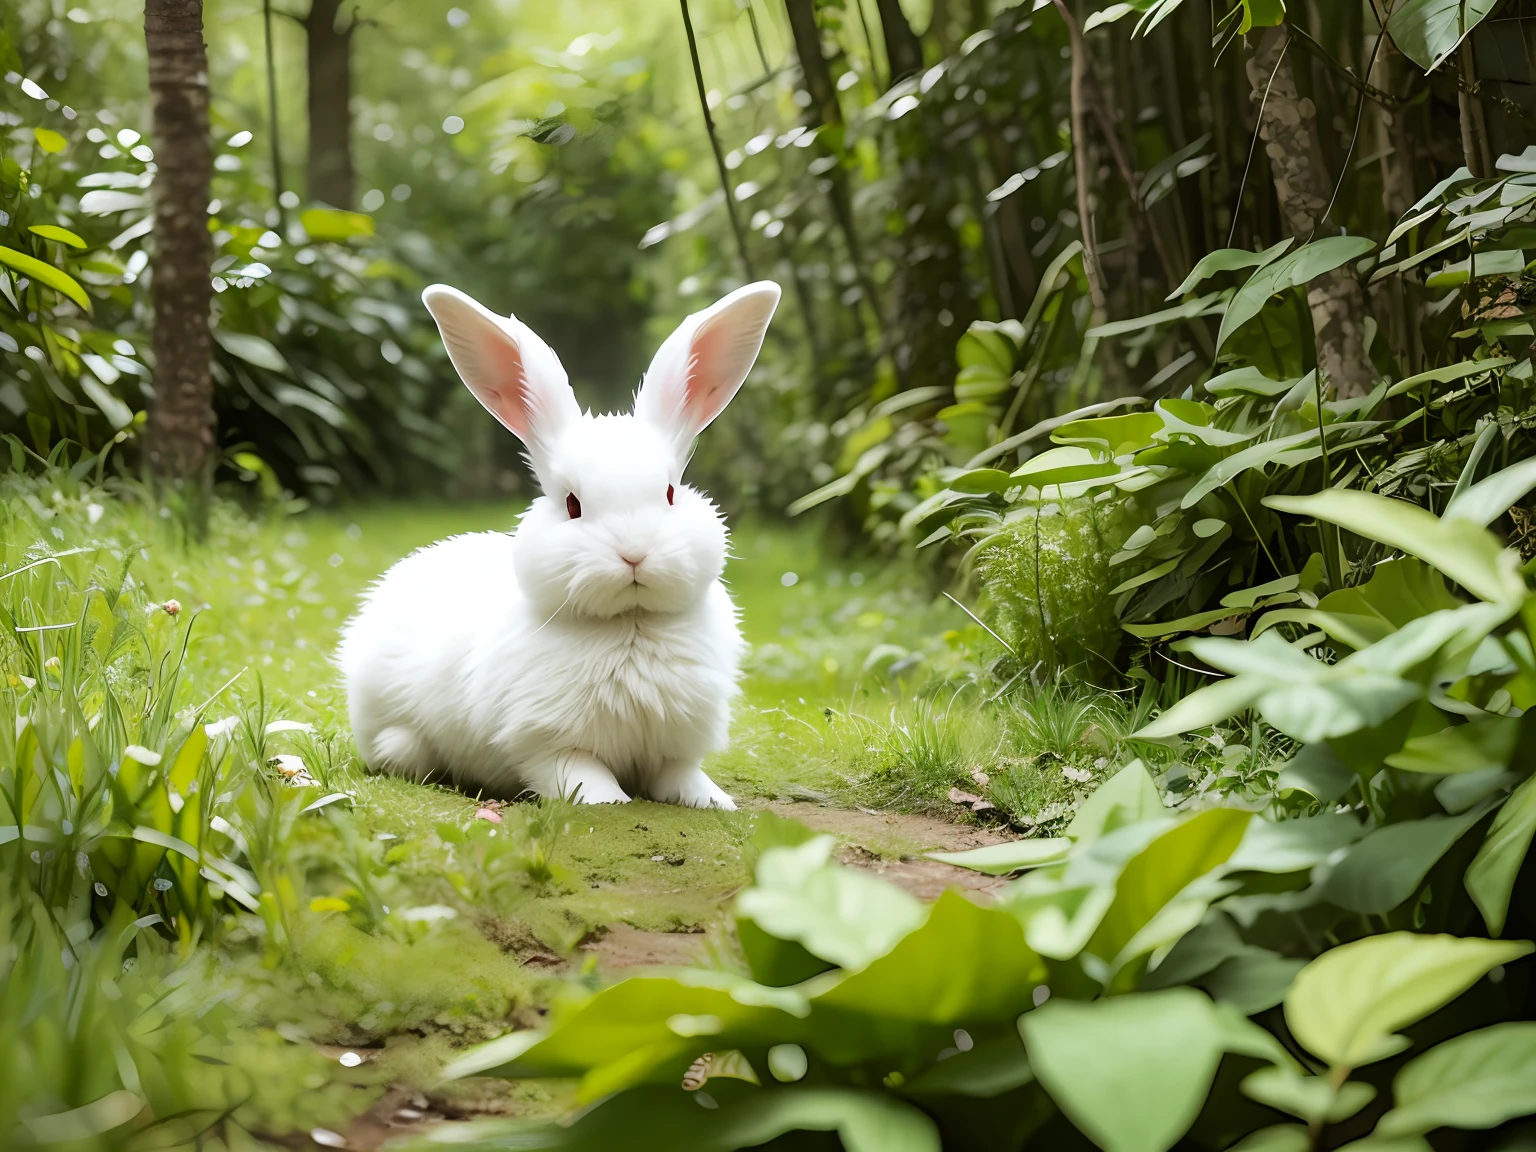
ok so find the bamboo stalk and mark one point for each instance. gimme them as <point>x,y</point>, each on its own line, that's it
<point>1091,267</point>
<point>272,127</point>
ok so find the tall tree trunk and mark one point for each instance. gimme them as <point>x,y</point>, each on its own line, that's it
<point>1392,140</point>
<point>179,437</point>
<point>1287,124</point>
<point>330,175</point>
<point>903,50</point>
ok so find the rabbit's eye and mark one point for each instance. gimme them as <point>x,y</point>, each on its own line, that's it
<point>573,506</point>
<point>670,493</point>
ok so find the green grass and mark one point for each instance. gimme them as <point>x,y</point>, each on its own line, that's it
<point>392,920</point>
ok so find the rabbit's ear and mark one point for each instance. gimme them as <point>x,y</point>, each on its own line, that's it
<point>510,370</point>
<point>701,365</point>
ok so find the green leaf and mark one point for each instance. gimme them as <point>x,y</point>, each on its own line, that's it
<point>1014,856</point>
<point>1062,466</point>
<point>1347,1005</point>
<point>1293,845</point>
<point>1503,262</point>
<point>1488,499</point>
<point>1312,1098</point>
<point>1261,14</point>
<point>1467,553</point>
<point>1387,866</point>
<point>1118,435</point>
<point>49,140</point>
<point>1130,1071</point>
<point>1227,260</point>
<point>54,232</point>
<point>1491,878</point>
<point>61,282</point>
<point>1202,708</point>
<point>1479,1080</point>
<point>1156,875</point>
<point>667,1119</point>
<point>1428,31</point>
<point>965,965</point>
<point>1249,381</point>
<point>1276,1138</point>
<point>1130,796</point>
<point>1289,271</point>
<point>1487,742</point>
<point>981,480</point>
<point>334,225</point>
<point>252,349</point>
<point>843,915</point>
<point>1255,456</point>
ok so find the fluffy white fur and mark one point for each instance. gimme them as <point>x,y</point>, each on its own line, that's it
<point>593,656</point>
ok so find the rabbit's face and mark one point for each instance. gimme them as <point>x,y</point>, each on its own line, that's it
<point>616,529</point>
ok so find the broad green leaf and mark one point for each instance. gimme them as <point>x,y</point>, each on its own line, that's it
<point>1488,499</point>
<point>1119,435</point>
<point>1387,866</point>
<point>1348,1005</point>
<point>1261,14</point>
<point>1165,628</point>
<point>1317,770</point>
<point>252,349</point>
<point>54,232</point>
<point>1487,742</point>
<point>1294,845</point>
<point>1466,552</point>
<point>989,1069</point>
<point>59,281</point>
<point>1227,260</point>
<point>332,224</point>
<point>1504,262</point>
<point>1130,796</point>
<point>1062,466</point>
<point>1156,875</point>
<point>1250,381</point>
<point>966,965</point>
<point>1312,1098</point>
<point>1276,1138</point>
<point>980,480</point>
<point>842,915</point>
<point>49,140</point>
<point>1252,981</point>
<point>1255,456</point>
<point>1491,878</point>
<point>1013,856</point>
<point>1428,31</point>
<point>1204,707</point>
<point>1478,1080</point>
<point>1107,16</point>
<point>1289,271</point>
<point>1131,1072</point>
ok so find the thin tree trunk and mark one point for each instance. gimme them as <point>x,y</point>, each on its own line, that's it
<point>330,174</point>
<point>825,111</point>
<point>272,121</point>
<point>903,50</point>
<point>1392,139</point>
<point>714,143</point>
<point>1287,124</point>
<point>180,431</point>
<point>1082,165</point>
<point>1474,129</point>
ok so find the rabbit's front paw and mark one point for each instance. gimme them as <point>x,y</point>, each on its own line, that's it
<point>586,780</point>
<point>689,787</point>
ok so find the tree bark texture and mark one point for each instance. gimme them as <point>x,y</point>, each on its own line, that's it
<point>1392,139</point>
<point>1474,129</point>
<point>1303,188</point>
<point>180,431</point>
<point>331,177</point>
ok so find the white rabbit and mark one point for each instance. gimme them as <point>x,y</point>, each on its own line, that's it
<point>593,652</point>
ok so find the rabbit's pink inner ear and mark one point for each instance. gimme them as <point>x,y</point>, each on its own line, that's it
<point>718,352</point>
<point>503,384</point>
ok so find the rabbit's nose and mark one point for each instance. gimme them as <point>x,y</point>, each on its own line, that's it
<point>632,561</point>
